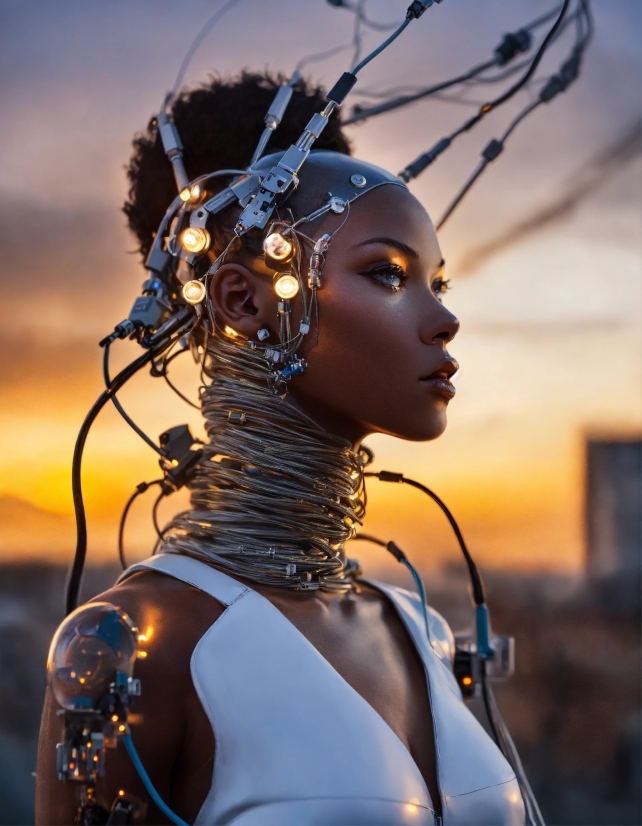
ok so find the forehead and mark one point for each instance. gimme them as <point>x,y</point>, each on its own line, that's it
<point>391,212</point>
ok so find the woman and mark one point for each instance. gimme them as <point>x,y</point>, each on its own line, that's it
<point>279,686</point>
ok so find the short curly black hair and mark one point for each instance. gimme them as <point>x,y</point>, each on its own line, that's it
<point>219,124</point>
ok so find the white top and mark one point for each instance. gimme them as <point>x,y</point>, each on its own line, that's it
<point>296,745</point>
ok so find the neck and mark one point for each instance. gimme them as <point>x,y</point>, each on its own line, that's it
<point>275,496</point>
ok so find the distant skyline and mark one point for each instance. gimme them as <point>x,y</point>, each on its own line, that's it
<point>550,344</point>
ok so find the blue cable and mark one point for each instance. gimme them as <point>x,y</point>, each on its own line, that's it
<point>147,783</point>
<point>422,595</point>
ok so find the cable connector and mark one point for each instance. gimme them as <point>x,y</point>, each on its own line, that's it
<point>396,551</point>
<point>418,7</point>
<point>181,455</point>
<point>122,330</point>
<point>341,88</point>
<point>389,476</point>
<point>563,79</point>
<point>512,44</point>
<point>493,149</point>
<point>418,166</point>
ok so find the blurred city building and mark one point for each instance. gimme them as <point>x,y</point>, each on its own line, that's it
<point>613,519</point>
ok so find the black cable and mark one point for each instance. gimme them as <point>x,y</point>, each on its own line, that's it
<point>75,577</point>
<point>488,107</point>
<point>424,160</point>
<point>119,407</point>
<point>491,152</point>
<point>475,578</point>
<point>141,488</point>
<point>157,502</point>
<point>164,338</point>
<point>505,52</point>
<point>359,114</point>
<point>553,86</point>
<point>163,372</point>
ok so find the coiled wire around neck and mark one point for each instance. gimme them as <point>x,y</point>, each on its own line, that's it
<point>275,497</point>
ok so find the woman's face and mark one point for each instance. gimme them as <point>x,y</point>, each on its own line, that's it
<point>381,364</point>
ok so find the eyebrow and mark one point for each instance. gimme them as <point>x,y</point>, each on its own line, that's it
<point>391,242</point>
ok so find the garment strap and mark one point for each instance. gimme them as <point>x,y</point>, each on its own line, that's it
<point>194,572</point>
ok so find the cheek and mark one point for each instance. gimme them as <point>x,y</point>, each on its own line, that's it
<point>362,327</point>
<point>369,359</point>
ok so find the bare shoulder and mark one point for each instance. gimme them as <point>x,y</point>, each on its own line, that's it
<point>171,617</point>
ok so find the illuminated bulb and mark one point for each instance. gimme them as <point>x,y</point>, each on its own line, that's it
<point>467,680</point>
<point>195,239</point>
<point>114,718</point>
<point>286,286</point>
<point>121,793</point>
<point>122,728</point>
<point>195,192</point>
<point>277,247</point>
<point>194,291</point>
<point>230,332</point>
<point>184,194</point>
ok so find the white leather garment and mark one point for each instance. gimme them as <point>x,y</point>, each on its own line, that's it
<point>297,746</point>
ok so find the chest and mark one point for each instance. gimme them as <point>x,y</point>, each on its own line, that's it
<point>364,640</point>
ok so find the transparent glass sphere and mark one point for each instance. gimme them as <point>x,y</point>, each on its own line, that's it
<point>89,647</point>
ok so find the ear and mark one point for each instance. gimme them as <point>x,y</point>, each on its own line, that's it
<point>243,300</point>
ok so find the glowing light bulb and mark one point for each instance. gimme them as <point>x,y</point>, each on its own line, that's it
<point>194,292</point>
<point>278,247</point>
<point>184,194</point>
<point>286,286</point>
<point>195,239</point>
<point>195,192</point>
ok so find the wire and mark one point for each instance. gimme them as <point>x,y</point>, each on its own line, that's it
<point>172,329</point>
<point>498,727</point>
<point>319,56</point>
<point>157,502</point>
<point>506,745</point>
<point>147,783</point>
<point>119,407</point>
<point>484,163</point>
<point>381,47</point>
<point>533,67</point>
<point>476,581</point>
<point>141,488</point>
<point>362,114</point>
<point>400,556</point>
<point>553,85</point>
<point>163,371</point>
<point>200,37</point>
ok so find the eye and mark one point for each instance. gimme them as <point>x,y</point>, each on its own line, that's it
<point>390,275</point>
<point>440,286</point>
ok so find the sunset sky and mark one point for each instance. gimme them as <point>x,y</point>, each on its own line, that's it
<point>550,339</point>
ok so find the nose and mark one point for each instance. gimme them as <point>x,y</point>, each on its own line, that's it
<point>439,325</point>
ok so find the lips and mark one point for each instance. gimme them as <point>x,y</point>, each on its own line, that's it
<point>439,380</point>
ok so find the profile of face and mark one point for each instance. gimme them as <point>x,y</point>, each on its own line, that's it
<point>380,364</point>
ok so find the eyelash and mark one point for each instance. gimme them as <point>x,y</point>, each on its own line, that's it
<point>388,275</point>
<point>440,286</point>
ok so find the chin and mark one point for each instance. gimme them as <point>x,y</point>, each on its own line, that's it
<point>423,429</point>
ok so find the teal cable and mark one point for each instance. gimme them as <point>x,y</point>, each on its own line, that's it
<point>147,783</point>
<point>422,595</point>
<point>380,48</point>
